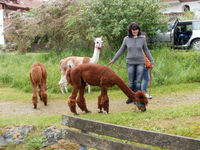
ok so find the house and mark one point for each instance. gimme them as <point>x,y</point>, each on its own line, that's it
<point>175,8</point>
<point>9,7</point>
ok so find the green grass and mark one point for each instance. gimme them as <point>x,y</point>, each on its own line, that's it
<point>171,67</point>
<point>41,121</point>
<point>183,88</point>
<point>178,118</point>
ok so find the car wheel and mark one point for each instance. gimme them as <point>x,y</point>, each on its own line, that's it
<point>196,44</point>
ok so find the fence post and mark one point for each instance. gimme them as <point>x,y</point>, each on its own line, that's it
<point>83,147</point>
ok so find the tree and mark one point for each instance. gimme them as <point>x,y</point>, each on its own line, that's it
<point>110,18</point>
<point>45,24</point>
<point>65,22</point>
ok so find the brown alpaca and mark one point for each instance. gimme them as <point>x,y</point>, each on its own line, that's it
<point>98,75</point>
<point>38,77</point>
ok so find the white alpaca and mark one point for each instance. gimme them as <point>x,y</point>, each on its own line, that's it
<point>75,60</point>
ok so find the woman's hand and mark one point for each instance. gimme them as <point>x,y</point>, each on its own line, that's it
<point>152,65</point>
<point>110,63</point>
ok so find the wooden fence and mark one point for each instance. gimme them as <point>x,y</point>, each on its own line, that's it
<point>136,139</point>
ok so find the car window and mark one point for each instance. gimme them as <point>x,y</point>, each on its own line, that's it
<point>189,27</point>
<point>196,25</point>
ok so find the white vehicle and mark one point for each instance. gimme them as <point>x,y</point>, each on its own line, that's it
<point>182,34</point>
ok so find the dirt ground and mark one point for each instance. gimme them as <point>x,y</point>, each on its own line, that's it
<point>60,106</point>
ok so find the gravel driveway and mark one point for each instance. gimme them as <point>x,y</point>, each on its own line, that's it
<point>60,106</point>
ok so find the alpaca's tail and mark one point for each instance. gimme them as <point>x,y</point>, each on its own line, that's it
<point>36,75</point>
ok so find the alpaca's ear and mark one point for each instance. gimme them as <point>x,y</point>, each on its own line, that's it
<point>94,38</point>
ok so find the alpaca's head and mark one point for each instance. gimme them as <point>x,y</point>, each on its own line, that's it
<point>141,100</point>
<point>98,43</point>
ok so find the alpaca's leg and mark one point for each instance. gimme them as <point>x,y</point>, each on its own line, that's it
<point>106,104</point>
<point>34,97</point>
<point>44,80</point>
<point>63,84</point>
<point>43,96</point>
<point>72,101</point>
<point>89,88</point>
<point>65,87</point>
<point>104,99</point>
<point>34,100</point>
<point>42,93</point>
<point>61,89</point>
<point>99,104</point>
<point>81,100</point>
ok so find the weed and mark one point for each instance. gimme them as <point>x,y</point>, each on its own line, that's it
<point>35,143</point>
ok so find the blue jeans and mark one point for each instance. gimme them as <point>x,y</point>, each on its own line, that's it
<point>135,76</point>
<point>145,79</point>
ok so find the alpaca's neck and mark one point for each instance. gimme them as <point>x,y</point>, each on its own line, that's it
<point>126,90</point>
<point>95,57</point>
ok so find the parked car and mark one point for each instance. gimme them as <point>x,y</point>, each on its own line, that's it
<point>182,34</point>
<point>164,36</point>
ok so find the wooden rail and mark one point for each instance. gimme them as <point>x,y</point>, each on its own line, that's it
<point>139,139</point>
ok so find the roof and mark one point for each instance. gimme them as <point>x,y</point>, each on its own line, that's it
<point>13,6</point>
<point>21,4</point>
<point>32,3</point>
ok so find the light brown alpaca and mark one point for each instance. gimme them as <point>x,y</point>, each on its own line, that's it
<point>38,77</point>
<point>98,75</point>
<point>75,61</point>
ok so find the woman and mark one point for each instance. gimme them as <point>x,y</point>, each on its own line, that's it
<point>136,45</point>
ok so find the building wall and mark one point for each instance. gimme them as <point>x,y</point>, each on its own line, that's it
<point>2,41</point>
<point>178,7</point>
<point>194,7</point>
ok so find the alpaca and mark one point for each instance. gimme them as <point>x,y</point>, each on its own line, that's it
<point>75,60</point>
<point>104,77</point>
<point>38,77</point>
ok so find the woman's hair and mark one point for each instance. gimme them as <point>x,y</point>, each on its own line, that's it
<point>133,26</point>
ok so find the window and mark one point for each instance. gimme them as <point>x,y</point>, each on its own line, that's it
<point>186,8</point>
<point>196,25</point>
